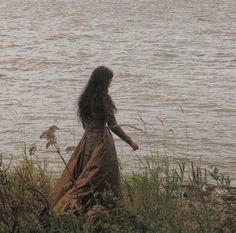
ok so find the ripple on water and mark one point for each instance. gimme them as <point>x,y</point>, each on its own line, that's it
<point>173,62</point>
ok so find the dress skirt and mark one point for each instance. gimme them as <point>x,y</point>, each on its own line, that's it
<point>93,167</point>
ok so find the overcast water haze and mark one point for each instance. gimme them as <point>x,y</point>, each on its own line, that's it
<point>173,61</point>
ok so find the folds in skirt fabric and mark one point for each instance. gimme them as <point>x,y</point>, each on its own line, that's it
<point>91,168</point>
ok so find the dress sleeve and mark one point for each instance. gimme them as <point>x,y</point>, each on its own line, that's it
<point>112,123</point>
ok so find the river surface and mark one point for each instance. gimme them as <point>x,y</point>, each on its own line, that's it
<point>175,74</point>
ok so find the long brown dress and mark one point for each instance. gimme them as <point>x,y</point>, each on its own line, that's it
<point>93,165</point>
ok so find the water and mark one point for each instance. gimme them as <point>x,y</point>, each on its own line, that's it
<point>174,61</point>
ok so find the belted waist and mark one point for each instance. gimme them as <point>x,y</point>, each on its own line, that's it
<point>96,130</point>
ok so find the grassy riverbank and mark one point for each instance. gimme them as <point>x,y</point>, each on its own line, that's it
<point>166,195</point>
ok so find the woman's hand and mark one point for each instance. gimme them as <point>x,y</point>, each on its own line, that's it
<point>134,145</point>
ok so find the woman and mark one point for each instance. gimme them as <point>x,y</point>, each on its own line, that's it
<point>93,167</point>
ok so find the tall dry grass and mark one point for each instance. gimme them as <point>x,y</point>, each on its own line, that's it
<point>165,195</point>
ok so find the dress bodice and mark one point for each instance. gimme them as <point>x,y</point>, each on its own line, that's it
<point>98,125</point>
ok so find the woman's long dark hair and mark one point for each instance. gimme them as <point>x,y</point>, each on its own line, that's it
<point>91,101</point>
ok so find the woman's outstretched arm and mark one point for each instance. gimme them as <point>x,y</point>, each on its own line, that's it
<point>114,126</point>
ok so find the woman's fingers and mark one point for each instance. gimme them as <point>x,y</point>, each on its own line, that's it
<point>135,146</point>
